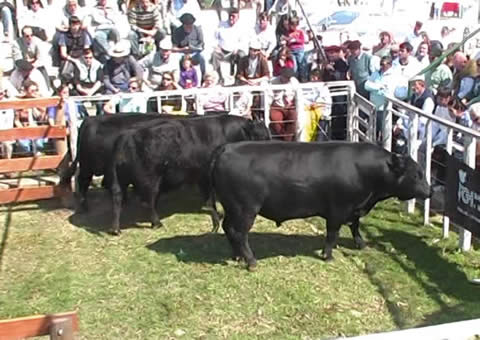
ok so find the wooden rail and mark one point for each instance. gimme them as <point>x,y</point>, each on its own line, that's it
<point>58,326</point>
<point>23,193</point>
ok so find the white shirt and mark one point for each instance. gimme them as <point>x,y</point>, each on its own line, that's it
<point>231,38</point>
<point>267,38</point>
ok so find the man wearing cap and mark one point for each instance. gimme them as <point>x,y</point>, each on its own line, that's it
<point>230,47</point>
<point>23,71</point>
<point>188,38</point>
<point>155,64</point>
<point>337,67</point>
<point>120,68</point>
<point>253,68</point>
<point>71,45</point>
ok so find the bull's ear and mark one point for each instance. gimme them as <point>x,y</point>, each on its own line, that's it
<point>397,163</point>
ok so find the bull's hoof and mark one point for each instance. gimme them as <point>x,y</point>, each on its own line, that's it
<point>115,232</point>
<point>252,267</point>
<point>157,224</point>
<point>360,244</point>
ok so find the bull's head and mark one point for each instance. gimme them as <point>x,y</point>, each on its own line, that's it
<point>409,178</point>
<point>256,130</point>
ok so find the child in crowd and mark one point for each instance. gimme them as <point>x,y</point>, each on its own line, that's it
<point>188,75</point>
<point>284,60</point>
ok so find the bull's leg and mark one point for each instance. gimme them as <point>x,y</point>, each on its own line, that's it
<point>332,236</point>
<point>242,227</point>
<point>357,238</point>
<point>210,205</point>
<point>229,230</point>
<point>83,182</point>
<point>152,193</point>
<point>117,197</point>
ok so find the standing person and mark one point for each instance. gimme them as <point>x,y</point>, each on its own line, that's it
<point>422,54</point>
<point>230,39</point>
<point>384,46</point>
<point>463,76</point>
<point>295,41</point>
<point>360,67</point>
<point>415,38</point>
<point>283,111</point>
<point>407,66</point>
<point>188,38</point>
<point>380,84</point>
<point>439,77</point>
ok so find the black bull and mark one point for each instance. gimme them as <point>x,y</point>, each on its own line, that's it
<point>172,153</point>
<point>96,138</point>
<point>338,181</point>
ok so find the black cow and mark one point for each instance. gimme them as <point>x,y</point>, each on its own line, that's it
<point>96,138</point>
<point>338,181</point>
<point>176,152</point>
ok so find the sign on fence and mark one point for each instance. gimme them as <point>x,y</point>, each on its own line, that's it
<point>463,195</point>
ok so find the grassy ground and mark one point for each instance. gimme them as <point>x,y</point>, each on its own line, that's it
<point>178,281</point>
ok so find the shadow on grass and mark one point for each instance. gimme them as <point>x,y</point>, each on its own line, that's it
<point>134,215</point>
<point>436,275</point>
<point>214,248</point>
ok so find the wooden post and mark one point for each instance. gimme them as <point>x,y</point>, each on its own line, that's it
<point>61,329</point>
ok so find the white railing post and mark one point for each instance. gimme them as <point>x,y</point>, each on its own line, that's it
<point>266,106</point>
<point>428,169</point>
<point>449,149</point>
<point>413,150</point>
<point>351,111</point>
<point>465,237</point>
<point>387,127</point>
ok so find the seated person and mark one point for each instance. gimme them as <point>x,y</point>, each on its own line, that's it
<point>71,45</point>
<point>145,23</point>
<point>103,22</point>
<point>283,60</point>
<point>169,104</point>
<point>188,75</point>
<point>30,117</point>
<point>283,112</point>
<point>39,19</point>
<point>126,103</point>
<point>155,64</point>
<point>253,68</point>
<point>212,102</point>
<point>88,75</point>
<point>23,71</point>
<point>120,68</point>
<point>188,38</point>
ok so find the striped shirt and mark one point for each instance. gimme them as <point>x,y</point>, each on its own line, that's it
<point>146,19</point>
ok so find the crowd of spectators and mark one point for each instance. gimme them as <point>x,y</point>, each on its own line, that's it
<point>140,46</point>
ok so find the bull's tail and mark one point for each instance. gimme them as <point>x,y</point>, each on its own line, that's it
<point>67,174</point>
<point>211,187</point>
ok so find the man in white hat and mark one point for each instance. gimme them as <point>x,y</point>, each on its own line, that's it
<point>157,63</point>
<point>253,68</point>
<point>120,68</point>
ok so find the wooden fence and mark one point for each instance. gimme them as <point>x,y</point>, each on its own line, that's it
<point>17,191</point>
<point>58,326</point>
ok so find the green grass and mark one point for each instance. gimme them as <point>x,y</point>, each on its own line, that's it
<point>178,281</point>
